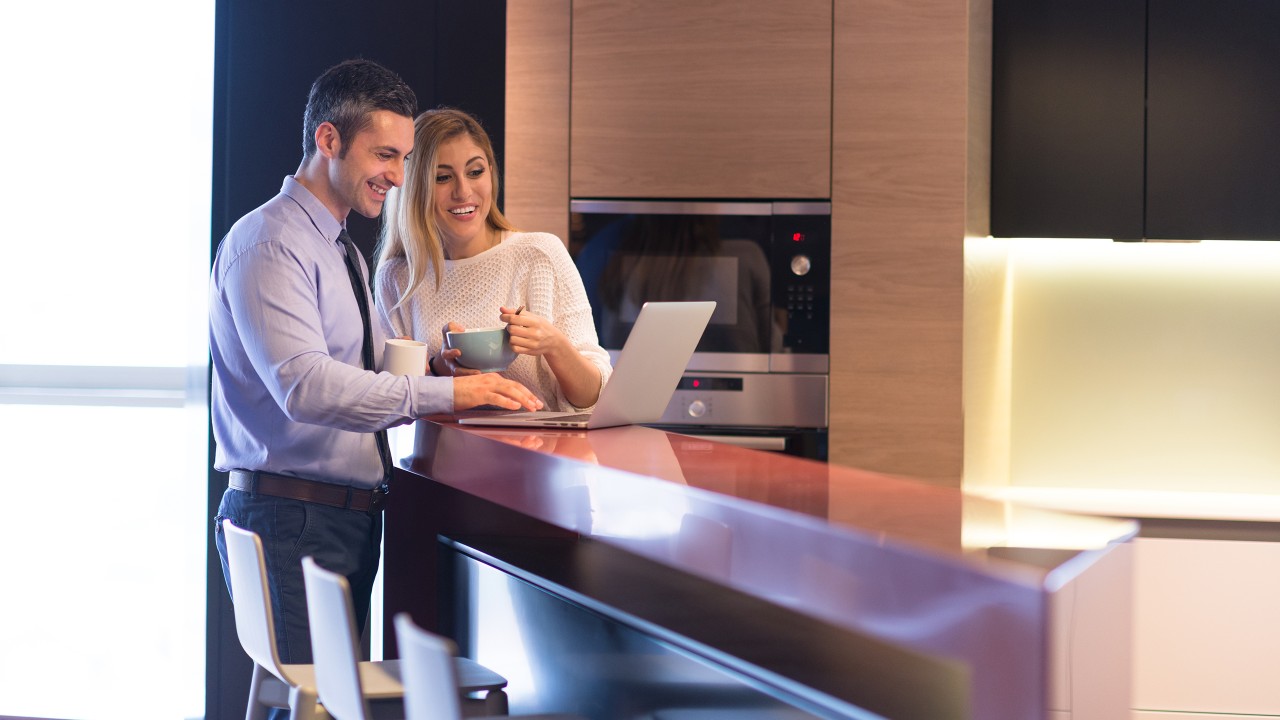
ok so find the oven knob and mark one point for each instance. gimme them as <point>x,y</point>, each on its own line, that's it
<point>800,265</point>
<point>697,409</point>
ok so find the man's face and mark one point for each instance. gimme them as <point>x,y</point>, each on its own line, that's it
<point>371,163</point>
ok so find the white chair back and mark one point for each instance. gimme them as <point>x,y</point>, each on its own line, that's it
<point>251,599</point>
<point>427,668</point>
<point>334,642</point>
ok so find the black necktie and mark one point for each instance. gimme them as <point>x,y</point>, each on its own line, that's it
<point>366,353</point>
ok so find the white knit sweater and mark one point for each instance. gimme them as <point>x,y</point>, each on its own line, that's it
<point>530,269</point>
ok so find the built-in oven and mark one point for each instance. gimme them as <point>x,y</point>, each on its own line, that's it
<point>759,376</point>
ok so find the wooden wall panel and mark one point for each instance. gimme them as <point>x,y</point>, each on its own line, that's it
<point>715,98</point>
<point>908,145</point>
<point>900,143</point>
<point>978,192</point>
<point>536,196</point>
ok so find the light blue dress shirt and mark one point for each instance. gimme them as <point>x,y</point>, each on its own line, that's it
<point>289,393</point>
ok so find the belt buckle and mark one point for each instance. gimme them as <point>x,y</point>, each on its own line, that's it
<point>378,499</point>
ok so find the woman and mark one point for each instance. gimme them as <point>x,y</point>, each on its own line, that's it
<point>449,260</point>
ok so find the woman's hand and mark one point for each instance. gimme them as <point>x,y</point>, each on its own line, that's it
<point>533,335</point>
<point>446,363</point>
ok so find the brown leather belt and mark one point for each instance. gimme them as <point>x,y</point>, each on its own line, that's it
<point>283,486</point>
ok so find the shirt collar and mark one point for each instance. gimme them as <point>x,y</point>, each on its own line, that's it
<point>321,218</point>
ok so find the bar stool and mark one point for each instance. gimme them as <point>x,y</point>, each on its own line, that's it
<point>279,685</point>
<point>274,684</point>
<point>354,690</point>
<point>427,663</point>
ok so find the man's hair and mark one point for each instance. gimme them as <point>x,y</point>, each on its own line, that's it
<point>347,94</point>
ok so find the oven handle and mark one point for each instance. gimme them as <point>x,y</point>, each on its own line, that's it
<point>751,442</point>
<point>669,207</point>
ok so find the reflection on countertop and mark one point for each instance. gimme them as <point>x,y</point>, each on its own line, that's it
<point>885,507</point>
<point>924,567</point>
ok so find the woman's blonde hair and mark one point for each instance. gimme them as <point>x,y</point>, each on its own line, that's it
<point>409,228</point>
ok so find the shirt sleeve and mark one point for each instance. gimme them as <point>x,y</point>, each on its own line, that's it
<point>291,327</point>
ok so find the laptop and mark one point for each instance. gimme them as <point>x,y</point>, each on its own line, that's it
<point>648,368</point>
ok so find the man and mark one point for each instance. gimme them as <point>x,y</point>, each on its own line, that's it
<point>296,413</point>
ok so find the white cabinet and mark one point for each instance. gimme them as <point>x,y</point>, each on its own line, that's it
<point>1206,629</point>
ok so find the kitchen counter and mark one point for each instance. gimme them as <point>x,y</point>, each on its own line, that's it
<point>1204,630</point>
<point>832,590</point>
<point>1240,507</point>
<point>1184,514</point>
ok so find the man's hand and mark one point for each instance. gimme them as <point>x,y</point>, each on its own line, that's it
<point>471,391</point>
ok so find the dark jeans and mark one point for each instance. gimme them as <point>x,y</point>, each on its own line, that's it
<point>347,542</point>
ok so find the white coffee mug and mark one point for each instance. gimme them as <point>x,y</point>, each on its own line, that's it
<point>404,357</point>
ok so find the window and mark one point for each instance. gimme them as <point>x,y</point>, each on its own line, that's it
<point>107,127</point>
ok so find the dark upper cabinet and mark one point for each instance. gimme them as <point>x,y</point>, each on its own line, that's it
<point>1213,118</point>
<point>1067,118</point>
<point>1136,119</point>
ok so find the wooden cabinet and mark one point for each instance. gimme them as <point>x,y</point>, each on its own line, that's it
<point>536,189</point>
<point>902,142</point>
<point>1136,119</point>
<point>712,99</point>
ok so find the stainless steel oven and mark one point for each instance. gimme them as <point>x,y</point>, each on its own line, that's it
<point>760,375</point>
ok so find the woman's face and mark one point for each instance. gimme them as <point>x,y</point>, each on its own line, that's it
<point>463,195</point>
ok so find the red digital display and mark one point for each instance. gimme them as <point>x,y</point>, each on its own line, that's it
<point>710,383</point>
<point>797,237</point>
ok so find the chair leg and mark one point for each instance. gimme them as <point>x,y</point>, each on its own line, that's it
<point>491,704</point>
<point>305,705</point>
<point>256,710</point>
<point>495,703</point>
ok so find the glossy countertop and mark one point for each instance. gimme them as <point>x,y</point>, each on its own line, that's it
<point>1143,503</point>
<point>924,567</point>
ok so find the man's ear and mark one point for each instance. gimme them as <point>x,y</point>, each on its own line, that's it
<point>328,142</point>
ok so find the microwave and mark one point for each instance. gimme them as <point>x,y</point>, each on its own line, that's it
<point>766,264</point>
<point>760,375</point>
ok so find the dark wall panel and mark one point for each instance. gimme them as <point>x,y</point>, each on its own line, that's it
<point>1067,118</point>
<point>451,52</point>
<point>1213,166</point>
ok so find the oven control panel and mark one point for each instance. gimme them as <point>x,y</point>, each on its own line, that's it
<point>801,279</point>
<point>749,400</point>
